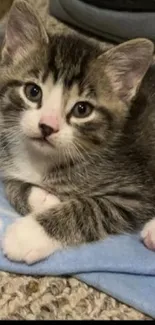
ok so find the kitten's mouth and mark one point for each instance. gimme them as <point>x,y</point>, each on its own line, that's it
<point>42,142</point>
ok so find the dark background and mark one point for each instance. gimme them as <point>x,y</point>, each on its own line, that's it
<point>124,5</point>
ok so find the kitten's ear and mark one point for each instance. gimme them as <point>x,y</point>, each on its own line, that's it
<point>24,29</point>
<point>126,65</point>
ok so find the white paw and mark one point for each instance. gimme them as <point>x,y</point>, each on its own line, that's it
<point>26,241</point>
<point>40,200</point>
<point>148,234</point>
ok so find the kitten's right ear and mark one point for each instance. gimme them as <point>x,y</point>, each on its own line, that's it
<point>24,30</point>
<point>126,65</point>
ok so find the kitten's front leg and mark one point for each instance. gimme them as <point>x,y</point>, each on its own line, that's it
<point>27,198</point>
<point>40,234</point>
<point>40,200</point>
<point>17,193</point>
<point>26,240</point>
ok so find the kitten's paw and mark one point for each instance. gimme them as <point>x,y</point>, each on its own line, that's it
<point>26,241</point>
<point>40,200</point>
<point>148,234</point>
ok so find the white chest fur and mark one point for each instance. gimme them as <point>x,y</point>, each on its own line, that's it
<point>27,168</point>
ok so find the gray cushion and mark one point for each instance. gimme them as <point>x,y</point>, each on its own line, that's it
<point>113,25</point>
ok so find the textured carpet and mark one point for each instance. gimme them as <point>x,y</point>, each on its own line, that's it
<point>45,298</point>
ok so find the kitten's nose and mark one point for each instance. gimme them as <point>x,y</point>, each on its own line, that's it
<point>46,130</point>
<point>48,125</point>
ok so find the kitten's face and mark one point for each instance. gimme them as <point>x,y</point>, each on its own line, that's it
<point>61,109</point>
<point>54,104</point>
<point>60,96</point>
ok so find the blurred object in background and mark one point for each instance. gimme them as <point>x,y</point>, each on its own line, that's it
<point>4,6</point>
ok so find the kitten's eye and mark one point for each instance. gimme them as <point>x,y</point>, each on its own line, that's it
<point>33,92</point>
<point>82,109</point>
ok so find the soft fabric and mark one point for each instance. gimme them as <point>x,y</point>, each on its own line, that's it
<point>120,265</point>
<point>112,24</point>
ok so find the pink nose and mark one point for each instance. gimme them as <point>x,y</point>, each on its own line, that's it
<point>48,125</point>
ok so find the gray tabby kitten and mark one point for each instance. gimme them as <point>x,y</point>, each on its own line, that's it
<point>77,150</point>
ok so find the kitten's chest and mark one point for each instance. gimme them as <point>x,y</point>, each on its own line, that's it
<point>61,181</point>
<point>25,168</point>
<point>68,182</point>
<point>25,172</point>
<point>57,182</point>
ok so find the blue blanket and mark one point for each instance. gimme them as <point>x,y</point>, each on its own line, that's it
<point>120,265</point>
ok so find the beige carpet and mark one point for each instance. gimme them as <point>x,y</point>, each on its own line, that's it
<point>44,298</point>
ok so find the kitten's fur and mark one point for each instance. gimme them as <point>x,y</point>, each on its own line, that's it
<point>99,170</point>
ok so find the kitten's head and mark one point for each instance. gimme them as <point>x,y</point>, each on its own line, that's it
<point>60,95</point>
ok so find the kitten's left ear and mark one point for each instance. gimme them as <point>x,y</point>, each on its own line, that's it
<point>125,66</point>
<point>24,30</point>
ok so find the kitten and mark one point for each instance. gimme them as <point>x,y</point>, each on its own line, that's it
<point>76,137</point>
